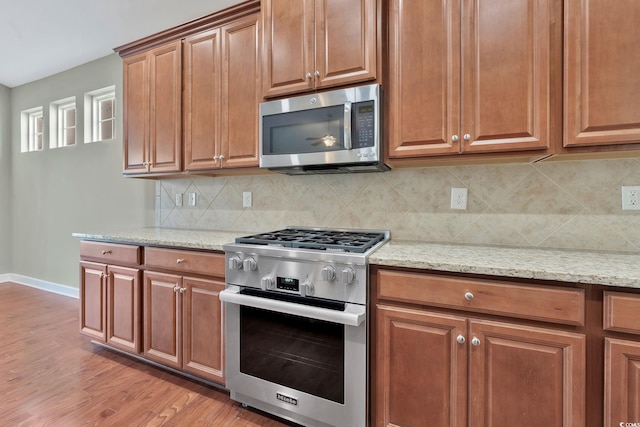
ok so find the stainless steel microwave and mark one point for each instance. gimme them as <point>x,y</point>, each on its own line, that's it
<point>329,132</point>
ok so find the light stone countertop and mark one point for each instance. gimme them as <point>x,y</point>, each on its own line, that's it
<point>170,237</point>
<point>614,269</point>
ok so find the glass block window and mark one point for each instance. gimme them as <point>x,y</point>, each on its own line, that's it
<point>32,135</point>
<point>62,123</point>
<point>100,115</point>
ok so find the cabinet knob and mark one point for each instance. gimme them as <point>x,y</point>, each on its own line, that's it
<point>176,289</point>
<point>183,290</point>
<point>308,75</point>
<point>460,339</point>
<point>317,73</point>
<point>475,341</point>
<point>467,137</point>
<point>145,164</point>
<point>455,138</point>
<point>468,296</point>
<point>179,261</point>
<point>106,252</point>
<point>221,157</point>
<point>216,157</point>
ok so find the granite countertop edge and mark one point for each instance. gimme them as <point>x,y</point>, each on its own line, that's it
<point>602,268</point>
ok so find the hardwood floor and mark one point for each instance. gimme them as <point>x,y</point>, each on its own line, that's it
<point>50,375</point>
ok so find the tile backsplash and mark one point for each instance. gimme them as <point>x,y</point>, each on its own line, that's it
<point>568,204</point>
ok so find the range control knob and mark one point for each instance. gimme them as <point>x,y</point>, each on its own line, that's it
<point>307,288</point>
<point>267,283</point>
<point>235,263</point>
<point>249,264</point>
<point>328,273</point>
<point>348,275</point>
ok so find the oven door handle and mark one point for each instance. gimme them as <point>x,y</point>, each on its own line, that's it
<point>353,315</point>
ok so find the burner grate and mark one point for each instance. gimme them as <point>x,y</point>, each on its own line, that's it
<point>317,239</point>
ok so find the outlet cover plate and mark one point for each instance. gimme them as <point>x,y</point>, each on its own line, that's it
<point>630,198</point>
<point>459,198</point>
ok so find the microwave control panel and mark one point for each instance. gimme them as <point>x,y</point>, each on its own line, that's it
<point>364,124</point>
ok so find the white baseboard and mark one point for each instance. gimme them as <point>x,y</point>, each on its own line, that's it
<point>40,284</point>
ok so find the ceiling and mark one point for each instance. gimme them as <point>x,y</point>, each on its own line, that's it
<point>43,37</point>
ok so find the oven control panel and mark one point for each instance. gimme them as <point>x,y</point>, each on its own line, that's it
<point>339,281</point>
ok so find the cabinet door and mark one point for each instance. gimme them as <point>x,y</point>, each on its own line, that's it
<point>123,312</point>
<point>136,113</point>
<point>525,376</point>
<point>165,113</point>
<point>203,342</point>
<point>424,78</point>
<point>241,92</point>
<point>601,83</point>
<point>511,56</point>
<point>421,369</point>
<point>622,382</point>
<point>162,318</point>
<point>93,303</point>
<point>202,100</point>
<point>289,44</point>
<point>345,41</point>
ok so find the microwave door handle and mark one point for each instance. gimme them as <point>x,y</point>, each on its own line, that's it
<point>347,125</point>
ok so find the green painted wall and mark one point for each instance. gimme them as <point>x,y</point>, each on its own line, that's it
<point>5,186</point>
<point>74,189</point>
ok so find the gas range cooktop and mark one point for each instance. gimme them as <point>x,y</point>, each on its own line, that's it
<point>332,240</point>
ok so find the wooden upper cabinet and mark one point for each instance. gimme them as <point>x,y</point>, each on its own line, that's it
<point>313,44</point>
<point>221,96</point>
<point>153,110</point>
<point>473,76</point>
<point>602,84</point>
<point>136,113</point>
<point>241,92</point>
<point>202,74</point>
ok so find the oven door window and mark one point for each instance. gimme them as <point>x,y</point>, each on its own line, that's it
<point>296,352</point>
<point>308,131</point>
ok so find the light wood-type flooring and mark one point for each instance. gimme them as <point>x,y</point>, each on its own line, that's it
<point>50,375</point>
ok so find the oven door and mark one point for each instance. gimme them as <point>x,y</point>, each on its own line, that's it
<point>302,363</point>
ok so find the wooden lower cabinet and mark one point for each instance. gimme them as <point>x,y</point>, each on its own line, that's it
<point>110,305</point>
<point>183,324</point>
<point>421,376</point>
<point>437,369</point>
<point>456,351</point>
<point>525,376</point>
<point>622,382</point>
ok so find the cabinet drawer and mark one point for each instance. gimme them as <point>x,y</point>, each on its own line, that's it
<point>549,304</point>
<point>110,253</point>
<point>184,261</point>
<point>621,312</point>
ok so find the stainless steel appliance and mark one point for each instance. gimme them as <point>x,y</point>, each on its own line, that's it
<point>296,323</point>
<point>329,132</point>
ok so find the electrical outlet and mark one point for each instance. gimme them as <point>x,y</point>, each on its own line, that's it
<point>459,198</point>
<point>178,199</point>
<point>246,199</point>
<point>630,198</point>
<point>192,199</point>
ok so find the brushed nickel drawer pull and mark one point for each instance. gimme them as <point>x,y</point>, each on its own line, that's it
<point>179,261</point>
<point>106,252</point>
<point>468,296</point>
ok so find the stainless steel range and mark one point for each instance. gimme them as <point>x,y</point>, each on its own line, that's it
<point>296,323</point>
